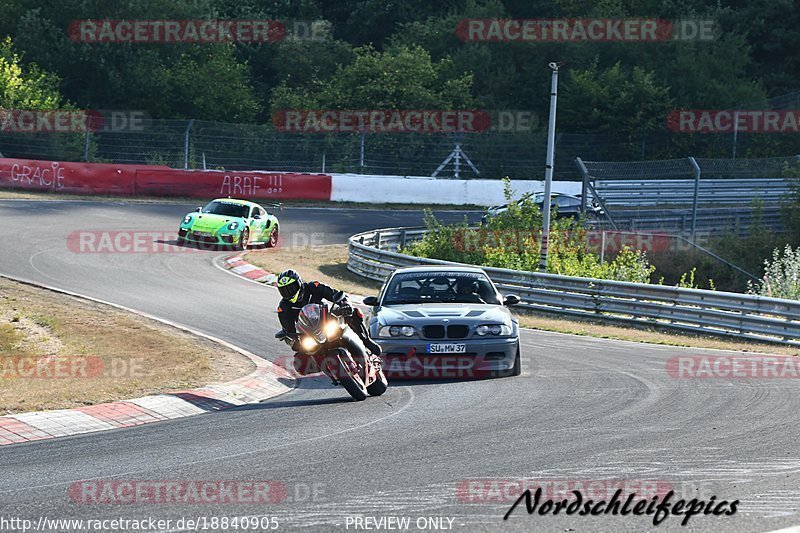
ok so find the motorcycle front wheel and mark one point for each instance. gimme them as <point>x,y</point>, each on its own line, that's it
<point>349,378</point>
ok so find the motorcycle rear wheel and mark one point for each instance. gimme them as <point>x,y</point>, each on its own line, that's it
<point>379,386</point>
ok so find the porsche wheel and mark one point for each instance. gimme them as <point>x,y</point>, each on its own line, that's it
<point>244,239</point>
<point>273,239</point>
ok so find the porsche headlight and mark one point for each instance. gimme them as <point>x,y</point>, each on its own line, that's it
<point>233,225</point>
<point>308,344</point>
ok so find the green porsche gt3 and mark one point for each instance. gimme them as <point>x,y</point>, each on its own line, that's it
<point>230,222</point>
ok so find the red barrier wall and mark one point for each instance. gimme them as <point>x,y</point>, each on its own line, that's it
<point>150,180</point>
<point>57,176</point>
<point>211,183</point>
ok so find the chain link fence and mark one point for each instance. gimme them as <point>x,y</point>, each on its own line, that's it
<point>518,155</point>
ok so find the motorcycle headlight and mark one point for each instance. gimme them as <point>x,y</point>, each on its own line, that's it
<point>233,225</point>
<point>308,344</point>
<point>332,329</point>
<point>187,219</point>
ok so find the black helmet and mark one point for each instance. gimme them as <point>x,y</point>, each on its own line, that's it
<point>466,286</point>
<point>290,285</point>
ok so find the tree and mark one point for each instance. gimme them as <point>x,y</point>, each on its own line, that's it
<point>403,77</point>
<point>25,87</point>
<point>164,80</point>
<point>621,100</point>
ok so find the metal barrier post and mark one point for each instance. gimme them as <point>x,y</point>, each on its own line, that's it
<point>602,246</point>
<point>696,194</point>
<point>186,145</point>
<point>361,159</point>
<point>86,146</point>
<point>585,185</point>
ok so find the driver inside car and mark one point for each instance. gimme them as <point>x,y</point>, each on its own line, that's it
<point>467,291</point>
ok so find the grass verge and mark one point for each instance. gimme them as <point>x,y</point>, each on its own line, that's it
<point>328,264</point>
<point>60,352</point>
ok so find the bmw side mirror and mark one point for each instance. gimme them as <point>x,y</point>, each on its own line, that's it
<point>511,299</point>
<point>199,209</point>
<point>371,301</point>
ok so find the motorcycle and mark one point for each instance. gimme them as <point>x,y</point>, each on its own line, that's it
<point>327,344</point>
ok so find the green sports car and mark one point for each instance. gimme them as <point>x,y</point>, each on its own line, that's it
<point>229,222</point>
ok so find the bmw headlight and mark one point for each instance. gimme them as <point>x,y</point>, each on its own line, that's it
<point>397,331</point>
<point>233,225</point>
<point>493,329</point>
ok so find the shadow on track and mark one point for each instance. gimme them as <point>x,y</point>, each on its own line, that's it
<point>288,404</point>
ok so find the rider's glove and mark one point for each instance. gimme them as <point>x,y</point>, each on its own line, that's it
<point>345,308</point>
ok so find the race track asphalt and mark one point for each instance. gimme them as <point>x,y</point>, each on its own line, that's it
<point>585,409</point>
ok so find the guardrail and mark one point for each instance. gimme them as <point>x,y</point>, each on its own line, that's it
<point>655,192</point>
<point>708,222</point>
<point>374,255</point>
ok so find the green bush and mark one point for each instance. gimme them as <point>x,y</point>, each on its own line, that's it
<point>781,275</point>
<point>512,239</point>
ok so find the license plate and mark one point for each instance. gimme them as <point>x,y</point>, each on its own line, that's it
<point>202,234</point>
<point>447,348</point>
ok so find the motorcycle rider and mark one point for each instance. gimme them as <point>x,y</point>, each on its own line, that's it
<point>295,295</point>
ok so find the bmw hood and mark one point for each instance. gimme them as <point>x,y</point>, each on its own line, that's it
<point>427,313</point>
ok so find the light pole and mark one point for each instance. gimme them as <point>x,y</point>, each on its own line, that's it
<point>548,173</point>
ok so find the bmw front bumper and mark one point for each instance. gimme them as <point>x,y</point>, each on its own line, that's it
<point>410,358</point>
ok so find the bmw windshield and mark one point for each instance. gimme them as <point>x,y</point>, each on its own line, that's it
<point>440,287</point>
<point>226,209</point>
